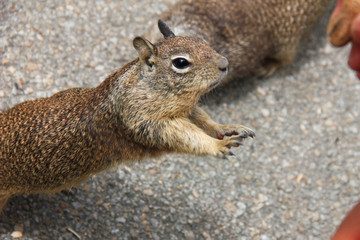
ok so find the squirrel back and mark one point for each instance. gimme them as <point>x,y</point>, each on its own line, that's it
<point>256,36</point>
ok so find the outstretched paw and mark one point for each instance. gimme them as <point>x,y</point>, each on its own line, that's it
<point>231,130</point>
<point>226,144</point>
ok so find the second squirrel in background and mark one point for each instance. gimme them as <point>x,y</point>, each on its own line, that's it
<point>256,36</point>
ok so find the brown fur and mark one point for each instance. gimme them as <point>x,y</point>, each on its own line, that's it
<point>144,109</point>
<point>256,36</point>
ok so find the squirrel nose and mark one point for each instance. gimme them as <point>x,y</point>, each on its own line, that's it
<point>223,64</point>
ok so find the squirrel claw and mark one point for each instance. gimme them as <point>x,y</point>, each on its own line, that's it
<point>251,133</point>
<point>231,130</point>
<point>247,132</point>
<point>226,154</point>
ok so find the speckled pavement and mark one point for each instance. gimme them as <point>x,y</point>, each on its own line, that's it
<point>296,180</point>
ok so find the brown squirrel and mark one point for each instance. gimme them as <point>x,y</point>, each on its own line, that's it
<point>256,36</point>
<point>146,108</point>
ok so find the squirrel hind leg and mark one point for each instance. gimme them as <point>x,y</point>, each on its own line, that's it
<point>3,200</point>
<point>283,58</point>
<point>267,68</point>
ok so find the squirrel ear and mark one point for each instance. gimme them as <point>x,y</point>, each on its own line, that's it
<point>145,49</point>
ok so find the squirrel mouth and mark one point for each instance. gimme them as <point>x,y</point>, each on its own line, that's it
<point>218,81</point>
<point>215,84</point>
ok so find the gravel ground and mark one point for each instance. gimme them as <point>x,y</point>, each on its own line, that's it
<point>296,180</point>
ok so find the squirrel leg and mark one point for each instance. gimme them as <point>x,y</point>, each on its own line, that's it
<point>284,57</point>
<point>268,67</point>
<point>182,135</point>
<point>3,200</point>
<point>219,131</point>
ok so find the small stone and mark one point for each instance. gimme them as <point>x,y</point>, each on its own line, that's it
<point>136,219</point>
<point>230,206</point>
<point>120,220</point>
<point>264,237</point>
<point>32,67</point>
<point>262,198</point>
<point>206,235</point>
<point>301,229</point>
<point>189,234</point>
<point>154,222</point>
<point>134,233</point>
<point>28,44</point>
<point>329,123</point>
<point>5,61</point>
<point>17,234</point>
<point>48,81</point>
<point>100,68</point>
<point>178,227</point>
<point>299,177</point>
<point>317,152</point>
<point>11,69</point>
<point>3,42</point>
<point>195,194</point>
<point>148,192</point>
<point>265,112</point>
<point>241,208</point>
<point>74,213</point>
<point>303,129</point>
<point>317,128</point>
<point>260,91</point>
<point>64,205</point>
<point>257,207</point>
<point>29,90</point>
<point>77,205</point>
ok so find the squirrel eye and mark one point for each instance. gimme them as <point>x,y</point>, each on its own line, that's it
<point>181,63</point>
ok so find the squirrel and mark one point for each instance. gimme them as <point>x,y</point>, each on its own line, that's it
<point>146,108</point>
<point>256,36</point>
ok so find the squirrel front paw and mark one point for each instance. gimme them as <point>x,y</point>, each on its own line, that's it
<point>225,145</point>
<point>231,130</point>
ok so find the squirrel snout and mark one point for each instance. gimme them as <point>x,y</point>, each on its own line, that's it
<point>223,64</point>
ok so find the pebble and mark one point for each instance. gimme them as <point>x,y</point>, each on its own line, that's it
<point>31,66</point>
<point>265,112</point>
<point>189,234</point>
<point>17,234</point>
<point>154,222</point>
<point>230,207</point>
<point>120,220</point>
<point>260,91</point>
<point>195,194</point>
<point>148,192</point>
<point>11,69</point>
<point>241,208</point>
<point>5,61</point>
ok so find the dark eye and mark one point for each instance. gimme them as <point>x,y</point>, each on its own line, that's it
<point>181,63</point>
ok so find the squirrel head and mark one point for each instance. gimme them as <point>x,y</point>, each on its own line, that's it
<point>179,65</point>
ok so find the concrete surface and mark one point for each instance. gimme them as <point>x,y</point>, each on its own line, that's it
<point>296,180</point>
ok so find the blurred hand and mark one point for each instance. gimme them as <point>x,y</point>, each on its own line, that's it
<point>344,27</point>
<point>350,227</point>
